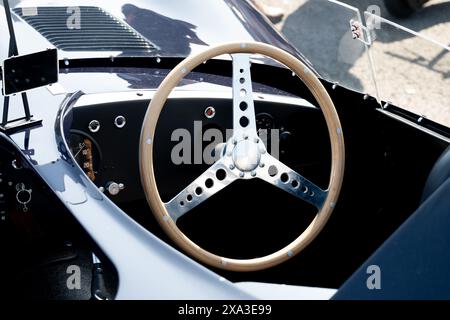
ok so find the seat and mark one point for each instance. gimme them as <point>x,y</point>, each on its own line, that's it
<point>415,260</point>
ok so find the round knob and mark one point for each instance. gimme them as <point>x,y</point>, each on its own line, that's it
<point>114,188</point>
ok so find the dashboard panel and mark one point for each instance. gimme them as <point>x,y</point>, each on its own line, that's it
<point>108,150</point>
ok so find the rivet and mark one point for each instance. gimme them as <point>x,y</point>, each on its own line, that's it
<point>232,166</point>
<point>253,173</point>
<point>241,174</point>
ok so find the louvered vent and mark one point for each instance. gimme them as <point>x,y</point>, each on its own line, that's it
<point>97,30</point>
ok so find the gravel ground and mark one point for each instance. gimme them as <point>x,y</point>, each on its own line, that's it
<point>411,72</point>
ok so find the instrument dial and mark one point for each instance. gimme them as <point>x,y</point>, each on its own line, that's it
<point>85,153</point>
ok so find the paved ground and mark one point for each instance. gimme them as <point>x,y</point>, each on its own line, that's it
<point>410,72</point>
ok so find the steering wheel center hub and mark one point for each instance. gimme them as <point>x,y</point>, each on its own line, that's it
<point>246,155</point>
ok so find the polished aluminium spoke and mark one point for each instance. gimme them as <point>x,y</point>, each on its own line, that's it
<point>283,177</point>
<point>248,155</point>
<point>224,171</point>
<point>244,120</point>
<point>214,179</point>
<point>244,156</point>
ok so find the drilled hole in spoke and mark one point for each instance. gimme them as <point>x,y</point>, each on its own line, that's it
<point>209,183</point>
<point>243,121</point>
<point>198,191</point>
<point>243,92</point>
<point>182,203</point>
<point>241,70</point>
<point>189,197</point>
<point>273,171</point>
<point>221,174</point>
<point>305,189</point>
<point>242,80</point>
<point>284,177</point>
<point>311,193</point>
<point>294,184</point>
<point>243,106</point>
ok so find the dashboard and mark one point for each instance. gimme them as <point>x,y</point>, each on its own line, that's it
<point>105,133</point>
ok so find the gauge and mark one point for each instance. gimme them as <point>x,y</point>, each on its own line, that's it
<point>85,153</point>
<point>264,121</point>
<point>264,125</point>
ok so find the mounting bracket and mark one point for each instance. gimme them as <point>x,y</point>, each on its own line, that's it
<point>10,126</point>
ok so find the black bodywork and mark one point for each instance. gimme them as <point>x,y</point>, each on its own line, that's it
<point>387,164</point>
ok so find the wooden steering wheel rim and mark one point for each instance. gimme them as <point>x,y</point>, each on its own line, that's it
<point>147,170</point>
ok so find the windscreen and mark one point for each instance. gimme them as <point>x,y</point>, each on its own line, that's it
<point>321,30</point>
<point>412,70</point>
<point>365,52</point>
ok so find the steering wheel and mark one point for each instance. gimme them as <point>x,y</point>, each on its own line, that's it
<point>244,156</point>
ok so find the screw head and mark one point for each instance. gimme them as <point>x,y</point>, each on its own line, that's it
<point>231,166</point>
<point>253,173</point>
<point>241,174</point>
